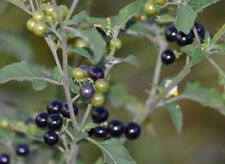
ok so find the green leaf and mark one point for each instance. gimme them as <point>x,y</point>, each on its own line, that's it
<point>56,75</point>
<point>185,18</point>
<point>114,152</point>
<point>131,60</point>
<point>165,17</point>
<point>78,18</point>
<point>137,29</point>
<point>19,72</point>
<point>16,44</point>
<point>81,135</point>
<point>176,115</point>
<point>38,85</point>
<point>128,12</point>
<point>89,126</point>
<point>74,87</point>
<point>220,48</point>
<point>83,51</point>
<point>199,5</point>
<point>195,52</point>
<point>210,97</point>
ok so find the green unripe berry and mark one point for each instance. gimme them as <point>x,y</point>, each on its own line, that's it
<point>98,99</point>
<point>101,85</point>
<point>63,10</point>
<point>30,24</point>
<point>78,73</point>
<point>80,43</point>
<point>160,2</point>
<point>49,9</point>
<point>40,29</point>
<point>150,8</point>
<point>49,19</point>
<point>115,43</point>
<point>38,16</point>
<point>54,16</point>
<point>4,123</point>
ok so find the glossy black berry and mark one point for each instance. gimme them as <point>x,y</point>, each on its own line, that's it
<point>132,130</point>
<point>65,110</point>
<point>182,39</point>
<point>168,57</point>
<point>87,91</point>
<point>100,114</point>
<point>115,128</point>
<point>54,122</point>
<point>170,33</point>
<point>54,107</point>
<point>85,68</point>
<point>29,121</point>
<point>22,150</point>
<point>200,29</point>
<point>51,138</point>
<point>41,119</point>
<point>4,159</point>
<point>96,73</point>
<point>100,131</point>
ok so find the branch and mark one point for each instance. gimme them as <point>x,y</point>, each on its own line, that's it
<point>20,6</point>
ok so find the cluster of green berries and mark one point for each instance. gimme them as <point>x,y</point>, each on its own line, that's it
<point>42,19</point>
<point>152,6</point>
<point>53,120</point>
<point>182,39</point>
<point>93,91</point>
<point>21,150</point>
<point>113,128</point>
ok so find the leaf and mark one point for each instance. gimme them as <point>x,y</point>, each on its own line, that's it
<point>56,75</point>
<point>114,152</point>
<point>137,29</point>
<point>81,135</point>
<point>128,12</point>
<point>16,44</point>
<point>176,115</point>
<point>83,51</point>
<point>195,52</point>
<point>89,126</point>
<point>165,17</point>
<point>131,60</point>
<point>199,5</point>
<point>73,85</point>
<point>19,72</point>
<point>38,85</point>
<point>220,48</point>
<point>221,79</point>
<point>78,18</point>
<point>210,97</point>
<point>185,18</point>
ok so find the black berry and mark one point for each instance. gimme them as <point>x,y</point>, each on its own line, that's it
<point>41,119</point>
<point>54,107</point>
<point>96,73</point>
<point>65,110</point>
<point>22,150</point>
<point>170,33</point>
<point>182,39</point>
<point>100,114</point>
<point>4,159</point>
<point>29,121</point>
<point>132,130</point>
<point>87,91</point>
<point>200,29</point>
<point>168,57</point>
<point>51,138</point>
<point>100,131</point>
<point>115,128</point>
<point>54,122</point>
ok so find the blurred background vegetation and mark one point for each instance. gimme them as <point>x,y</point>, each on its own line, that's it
<point>203,137</point>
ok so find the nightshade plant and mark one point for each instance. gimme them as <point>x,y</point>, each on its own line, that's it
<point>97,39</point>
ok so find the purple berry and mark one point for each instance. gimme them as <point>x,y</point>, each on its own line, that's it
<point>96,73</point>
<point>87,91</point>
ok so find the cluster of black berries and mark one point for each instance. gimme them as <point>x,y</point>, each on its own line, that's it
<point>91,90</point>
<point>21,150</point>
<point>182,39</point>
<point>114,128</point>
<point>53,121</point>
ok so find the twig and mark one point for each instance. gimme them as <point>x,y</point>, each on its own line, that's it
<point>72,8</point>
<point>31,5</point>
<point>85,117</point>
<point>20,6</point>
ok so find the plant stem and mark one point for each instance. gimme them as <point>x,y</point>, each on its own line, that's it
<point>217,36</point>
<point>85,117</point>
<point>72,8</point>
<point>217,67</point>
<point>31,5</point>
<point>20,6</point>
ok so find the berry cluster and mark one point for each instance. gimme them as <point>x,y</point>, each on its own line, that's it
<point>92,84</point>
<point>21,150</point>
<point>52,119</point>
<point>182,39</point>
<point>42,19</point>
<point>114,128</point>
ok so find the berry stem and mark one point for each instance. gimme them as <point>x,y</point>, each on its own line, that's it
<point>85,117</point>
<point>72,8</point>
<point>31,5</point>
<point>218,35</point>
<point>20,6</point>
